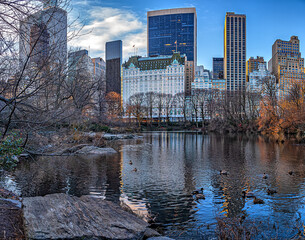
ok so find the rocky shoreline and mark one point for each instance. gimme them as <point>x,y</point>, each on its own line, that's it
<point>61,216</point>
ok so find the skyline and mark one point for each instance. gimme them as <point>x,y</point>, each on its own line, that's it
<point>266,22</point>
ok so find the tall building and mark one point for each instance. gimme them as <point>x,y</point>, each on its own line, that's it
<point>217,68</point>
<point>80,65</point>
<point>43,37</point>
<point>162,74</point>
<point>99,72</point>
<point>235,51</point>
<point>99,66</point>
<point>287,64</point>
<point>174,30</point>
<point>189,76</point>
<point>113,66</point>
<point>252,65</point>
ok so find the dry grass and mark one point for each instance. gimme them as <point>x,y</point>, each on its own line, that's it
<point>241,229</point>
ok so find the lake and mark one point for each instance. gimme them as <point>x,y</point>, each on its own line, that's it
<point>170,165</point>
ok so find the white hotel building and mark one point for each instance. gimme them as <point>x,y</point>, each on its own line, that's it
<point>162,74</point>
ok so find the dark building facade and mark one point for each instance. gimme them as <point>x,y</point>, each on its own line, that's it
<point>39,42</point>
<point>172,30</point>
<point>113,66</point>
<point>217,68</point>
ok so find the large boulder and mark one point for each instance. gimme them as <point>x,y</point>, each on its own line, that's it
<point>160,238</point>
<point>60,216</point>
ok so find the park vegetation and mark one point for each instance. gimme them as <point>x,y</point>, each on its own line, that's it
<point>51,92</point>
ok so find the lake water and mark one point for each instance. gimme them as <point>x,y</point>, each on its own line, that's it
<point>170,166</point>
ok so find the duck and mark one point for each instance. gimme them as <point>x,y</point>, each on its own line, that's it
<point>199,196</point>
<point>258,201</point>
<point>130,162</point>
<point>271,191</point>
<point>248,194</point>
<point>198,191</point>
<point>135,170</point>
<point>223,172</point>
<point>265,176</point>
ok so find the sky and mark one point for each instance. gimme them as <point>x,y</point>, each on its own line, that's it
<point>126,20</point>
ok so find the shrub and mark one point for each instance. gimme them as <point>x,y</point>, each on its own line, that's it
<point>10,148</point>
<point>99,128</point>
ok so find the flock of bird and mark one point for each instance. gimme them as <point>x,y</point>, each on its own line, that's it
<point>198,194</point>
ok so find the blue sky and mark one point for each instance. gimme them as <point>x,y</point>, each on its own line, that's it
<point>267,20</point>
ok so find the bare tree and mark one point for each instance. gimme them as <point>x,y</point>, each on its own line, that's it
<point>195,95</point>
<point>202,97</point>
<point>39,94</point>
<point>180,102</point>
<point>136,106</point>
<point>213,99</point>
<point>159,105</point>
<point>150,101</point>
<point>168,100</point>
<point>114,108</point>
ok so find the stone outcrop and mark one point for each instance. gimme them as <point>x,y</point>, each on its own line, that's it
<point>92,150</point>
<point>60,216</point>
<point>108,136</point>
<point>85,149</point>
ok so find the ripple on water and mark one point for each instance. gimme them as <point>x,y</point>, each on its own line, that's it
<point>169,167</point>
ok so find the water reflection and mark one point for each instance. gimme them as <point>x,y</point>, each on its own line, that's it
<point>73,175</point>
<point>170,166</point>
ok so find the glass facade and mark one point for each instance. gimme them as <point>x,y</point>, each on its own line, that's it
<point>113,66</point>
<point>114,50</point>
<point>217,68</point>
<point>168,32</point>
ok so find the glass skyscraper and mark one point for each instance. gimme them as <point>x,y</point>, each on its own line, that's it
<point>172,30</point>
<point>113,66</point>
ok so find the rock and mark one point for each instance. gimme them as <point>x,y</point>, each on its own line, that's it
<point>160,238</point>
<point>24,156</point>
<point>72,149</point>
<point>60,216</point>
<point>95,151</point>
<point>111,136</point>
<point>108,136</point>
<point>149,233</point>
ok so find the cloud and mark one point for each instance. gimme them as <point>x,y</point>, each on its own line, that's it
<point>108,24</point>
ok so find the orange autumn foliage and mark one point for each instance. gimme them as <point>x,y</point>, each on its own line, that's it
<point>113,101</point>
<point>286,116</point>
